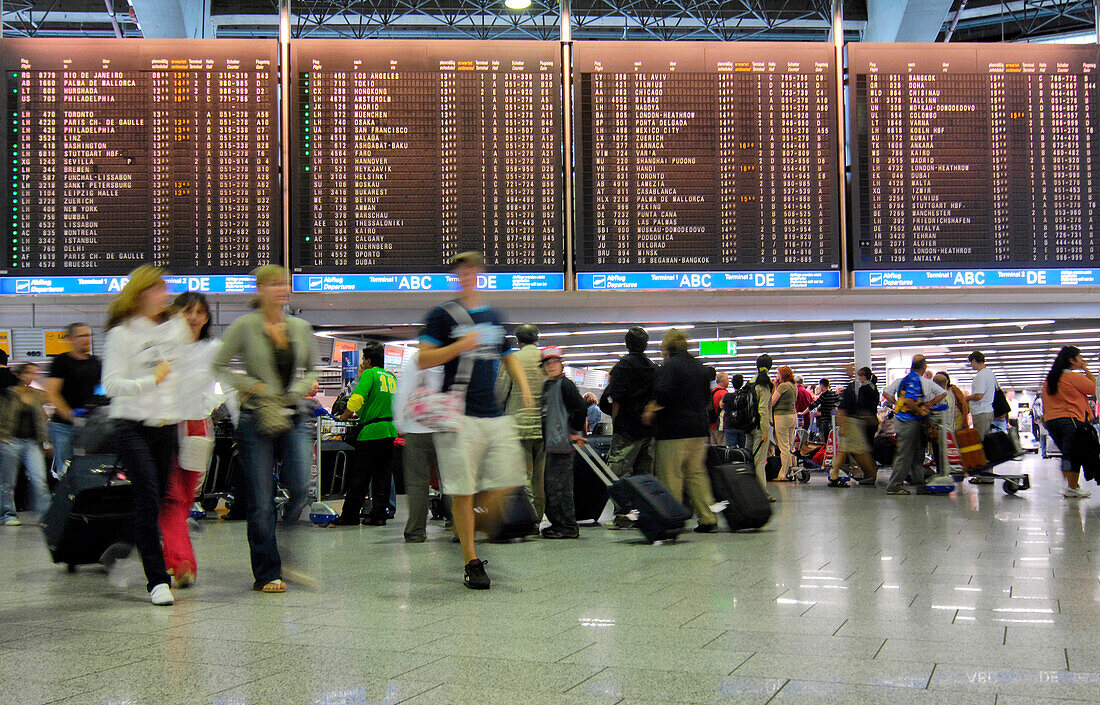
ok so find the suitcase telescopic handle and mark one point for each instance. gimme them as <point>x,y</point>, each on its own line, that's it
<point>599,467</point>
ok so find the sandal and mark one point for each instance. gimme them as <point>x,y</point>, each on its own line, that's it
<point>837,482</point>
<point>772,499</point>
<point>273,587</point>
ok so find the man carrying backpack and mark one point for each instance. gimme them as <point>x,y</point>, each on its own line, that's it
<point>735,438</point>
<point>629,389</point>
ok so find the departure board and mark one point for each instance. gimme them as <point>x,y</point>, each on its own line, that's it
<point>705,156</point>
<point>409,152</point>
<point>974,164</point>
<point>122,152</point>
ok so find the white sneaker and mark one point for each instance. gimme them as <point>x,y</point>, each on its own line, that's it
<point>161,595</point>
<point>13,522</point>
<point>1075,493</point>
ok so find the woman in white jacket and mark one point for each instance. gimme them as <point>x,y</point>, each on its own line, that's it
<point>138,378</point>
<point>196,399</point>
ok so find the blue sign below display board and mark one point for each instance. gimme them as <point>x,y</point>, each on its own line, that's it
<point>222,284</point>
<point>920,278</point>
<point>327,283</point>
<point>641,281</point>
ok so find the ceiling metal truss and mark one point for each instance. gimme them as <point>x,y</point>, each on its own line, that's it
<point>1019,20</point>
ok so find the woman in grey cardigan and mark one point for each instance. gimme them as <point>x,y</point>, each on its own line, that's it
<point>277,353</point>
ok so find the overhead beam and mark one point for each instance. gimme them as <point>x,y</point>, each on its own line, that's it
<point>905,20</point>
<point>173,19</point>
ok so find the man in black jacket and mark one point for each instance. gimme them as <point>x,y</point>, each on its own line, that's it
<point>563,416</point>
<point>681,397</point>
<point>629,389</point>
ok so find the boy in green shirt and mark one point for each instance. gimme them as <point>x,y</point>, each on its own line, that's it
<point>371,462</point>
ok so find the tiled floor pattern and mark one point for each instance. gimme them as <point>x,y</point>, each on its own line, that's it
<point>849,596</point>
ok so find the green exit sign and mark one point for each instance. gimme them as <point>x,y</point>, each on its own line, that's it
<point>717,347</point>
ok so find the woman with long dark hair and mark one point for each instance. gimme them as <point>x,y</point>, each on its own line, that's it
<point>278,356</point>
<point>1066,408</point>
<point>138,377</point>
<point>759,441</point>
<point>196,400</point>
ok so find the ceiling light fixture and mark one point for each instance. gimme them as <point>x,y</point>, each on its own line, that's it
<point>517,4</point>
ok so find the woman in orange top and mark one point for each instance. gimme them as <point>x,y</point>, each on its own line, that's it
<point>1066,408</point>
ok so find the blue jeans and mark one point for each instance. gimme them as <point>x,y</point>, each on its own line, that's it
<point>734,438</point>
<point>61,436</point>
<point>27,452</point>
<point>1062,431</point>
<point>259,453</point>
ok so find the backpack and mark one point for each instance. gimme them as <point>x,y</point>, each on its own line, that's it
<point>1001,406</point>
<point>743,409</point>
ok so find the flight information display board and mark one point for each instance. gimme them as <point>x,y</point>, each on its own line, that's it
<point>974,164</point>
<point>123,152</point>
<point>406,153</point>
<point>706,165</point>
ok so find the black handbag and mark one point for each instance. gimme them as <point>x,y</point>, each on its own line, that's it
<point>1086,450</point>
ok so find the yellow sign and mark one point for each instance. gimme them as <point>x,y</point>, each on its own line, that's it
<point>5,341</point>
<point>57,342</point>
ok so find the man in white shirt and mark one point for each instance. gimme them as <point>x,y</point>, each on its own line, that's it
<point>418,457</point>
<point>981,393</point>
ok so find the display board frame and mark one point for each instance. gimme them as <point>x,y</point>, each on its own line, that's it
<point>148,68</point>
<point>773,59</point>
<point>445,58</point>
<point>999,141</point>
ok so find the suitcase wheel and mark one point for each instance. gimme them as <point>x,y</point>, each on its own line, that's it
<point>804,475</point>
<point>1010,487</point>
<point>209,504</point>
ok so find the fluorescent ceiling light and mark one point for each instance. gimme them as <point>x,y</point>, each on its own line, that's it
<point>517,4</point>
<point>963,326</point>
<point>609,331</point>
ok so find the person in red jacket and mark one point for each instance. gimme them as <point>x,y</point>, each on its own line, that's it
<point>717,434</point>
<point>802,403</point>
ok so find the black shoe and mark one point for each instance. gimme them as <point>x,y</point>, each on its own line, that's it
<point>555,534</point>
<point>341,521</point>
<point>374,521</point>
<point>838,483</point>
<point>475,577</point>
<point>706,528</point>
<point>924,490</point>
<point>620,523</point>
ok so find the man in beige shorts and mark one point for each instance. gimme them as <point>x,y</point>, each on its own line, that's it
<point>466,337</point>
<point>857,407</point>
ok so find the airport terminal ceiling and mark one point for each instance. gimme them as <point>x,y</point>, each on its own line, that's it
<point>805,20</point>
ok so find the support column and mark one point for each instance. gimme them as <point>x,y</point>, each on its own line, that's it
<point>566,28</point>
<point>862,335</point>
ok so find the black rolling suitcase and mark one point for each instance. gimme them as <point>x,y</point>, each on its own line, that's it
<point>92,508</point>
<point>517,517</point>
<point>589,491</point>
<point>660,516</point>
<point>747,505</point>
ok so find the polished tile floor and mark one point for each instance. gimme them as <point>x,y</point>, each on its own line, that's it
<point>849,596</point>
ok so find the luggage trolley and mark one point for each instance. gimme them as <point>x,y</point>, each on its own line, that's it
<point>1011,482</point>
<point>320,513</point>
